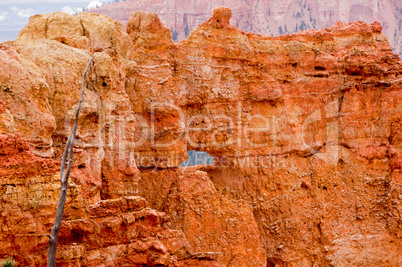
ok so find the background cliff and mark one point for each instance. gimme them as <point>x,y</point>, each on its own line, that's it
<point>305,130</point>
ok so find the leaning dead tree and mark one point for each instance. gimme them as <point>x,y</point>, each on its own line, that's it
<point>64,174</point>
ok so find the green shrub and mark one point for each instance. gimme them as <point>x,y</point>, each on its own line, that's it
<point>9,262</point>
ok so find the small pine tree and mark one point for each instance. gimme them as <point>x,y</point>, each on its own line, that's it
<point>186,30</point>
<point>280,30</point>
<point>174,34</point>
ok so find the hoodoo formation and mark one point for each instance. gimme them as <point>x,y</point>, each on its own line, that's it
<point>305,130</point>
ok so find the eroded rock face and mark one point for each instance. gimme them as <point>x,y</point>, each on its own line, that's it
<point>25,106</point>
<point>91,235</point>
<point>212,221</point>
<point>62,52</point>
<point>42,83</point>
<point>305,130</point>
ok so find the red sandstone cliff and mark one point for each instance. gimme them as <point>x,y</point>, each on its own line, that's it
<point>267,17</point>
<point>305,129</point>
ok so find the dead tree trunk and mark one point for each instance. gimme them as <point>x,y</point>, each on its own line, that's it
<point>64,173</point>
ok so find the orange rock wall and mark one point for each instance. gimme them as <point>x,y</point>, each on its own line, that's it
<point>305,130</point>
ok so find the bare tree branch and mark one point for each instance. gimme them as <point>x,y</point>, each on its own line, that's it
<point>68,152</point>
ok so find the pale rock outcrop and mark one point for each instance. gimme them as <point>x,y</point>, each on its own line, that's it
<point>25,107</point>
